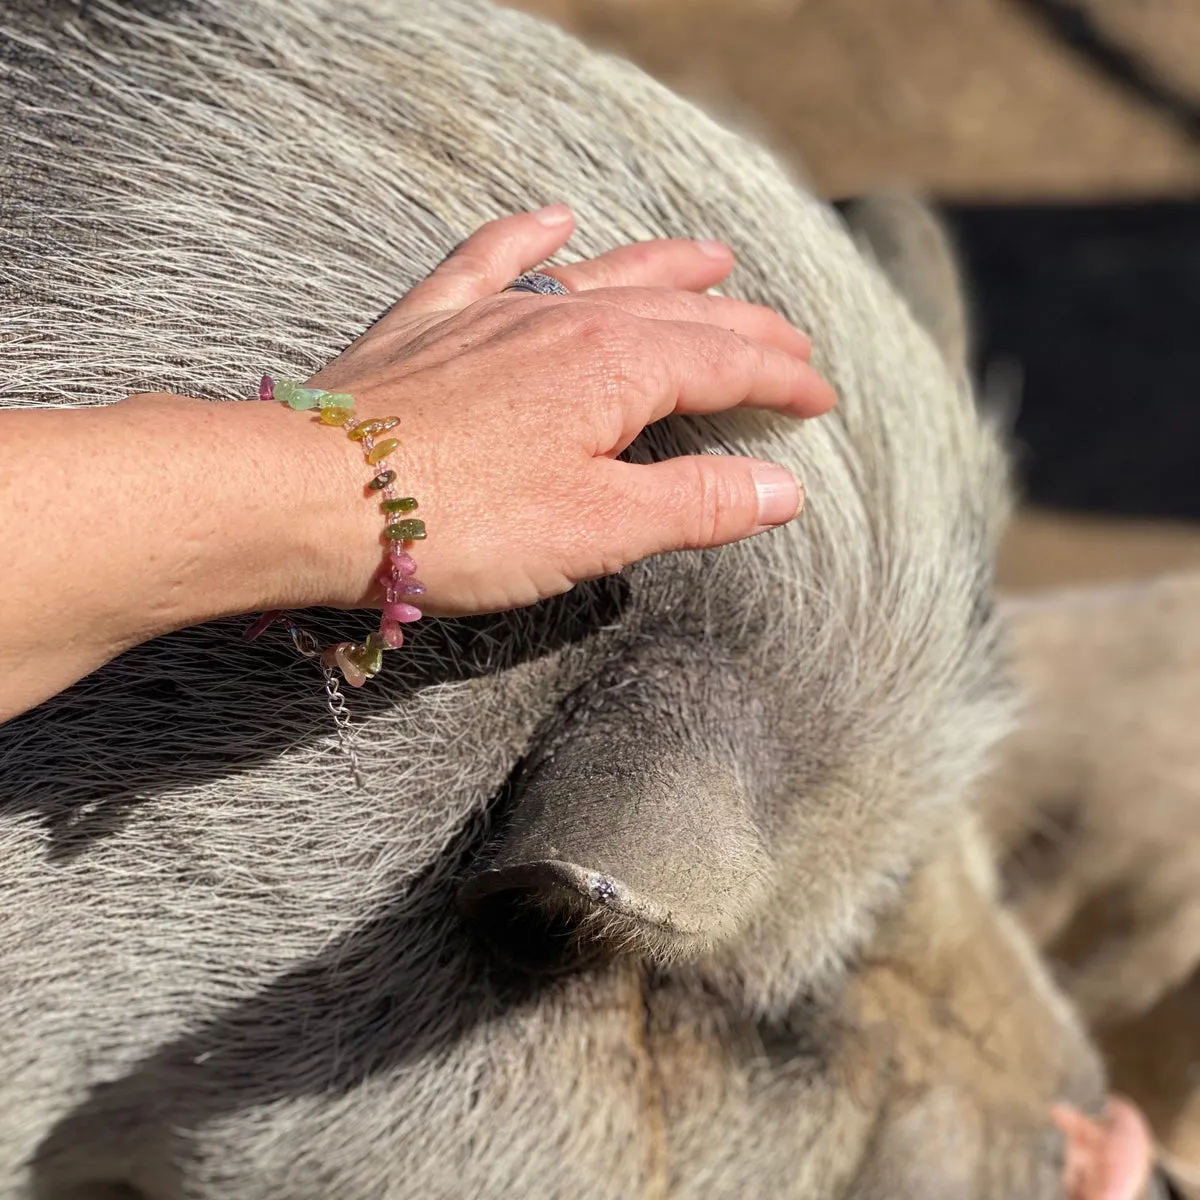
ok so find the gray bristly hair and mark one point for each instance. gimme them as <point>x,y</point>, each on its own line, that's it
<point>228,974</point>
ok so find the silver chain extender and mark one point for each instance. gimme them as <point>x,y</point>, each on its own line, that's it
<point>307,646</point>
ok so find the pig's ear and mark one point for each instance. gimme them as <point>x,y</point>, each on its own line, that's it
<point>911,246</point>
<point>616,848</point>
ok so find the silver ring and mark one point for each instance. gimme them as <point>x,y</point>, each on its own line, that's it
<point>539,284</point>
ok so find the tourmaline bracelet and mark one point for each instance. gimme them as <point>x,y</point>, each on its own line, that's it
<point>360,661</point>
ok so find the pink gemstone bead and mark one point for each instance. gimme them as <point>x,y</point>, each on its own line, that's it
<point>262,625</point>
<point>402,562</point>
<point>398,611</point>
<point>392,633</point>
<point>410,587</point>
<point>266,388</point>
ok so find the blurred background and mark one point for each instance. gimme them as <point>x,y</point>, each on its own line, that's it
<point>1062,140</point>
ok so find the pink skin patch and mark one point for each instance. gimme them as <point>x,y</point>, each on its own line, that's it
<point>1112,1160</point>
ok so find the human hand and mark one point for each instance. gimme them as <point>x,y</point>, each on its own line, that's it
<point>514,408</point>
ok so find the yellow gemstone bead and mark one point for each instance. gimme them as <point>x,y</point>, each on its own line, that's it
<point>382,450</point>
<point>336,416</point>
<point>372,427</point>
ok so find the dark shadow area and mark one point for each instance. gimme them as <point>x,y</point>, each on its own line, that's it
<point>405,985</point>
<point>1071,25</point>
<point>203,704</point>
<point>1098,305</point>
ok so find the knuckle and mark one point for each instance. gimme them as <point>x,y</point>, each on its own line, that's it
<point>609,334</point>
<point>557,318</point>
<point>467,262</point>
<point>717,500</point>
<point>642,255</point>
<point>722,355</point>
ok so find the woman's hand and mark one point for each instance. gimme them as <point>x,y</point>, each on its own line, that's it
<point>514,407</point>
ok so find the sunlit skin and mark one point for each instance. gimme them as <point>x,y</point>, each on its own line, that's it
<point>127,521</point>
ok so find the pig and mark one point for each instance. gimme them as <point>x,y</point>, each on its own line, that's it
<point>668,887</point>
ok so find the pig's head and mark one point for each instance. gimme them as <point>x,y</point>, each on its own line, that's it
<point>781,726</point>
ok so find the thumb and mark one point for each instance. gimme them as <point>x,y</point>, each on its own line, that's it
<point>703,500</point>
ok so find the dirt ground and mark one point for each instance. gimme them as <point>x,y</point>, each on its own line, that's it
<point>968,100</point>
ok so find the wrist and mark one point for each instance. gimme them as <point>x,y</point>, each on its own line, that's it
<point>258,509</point>
<point>393,577</point>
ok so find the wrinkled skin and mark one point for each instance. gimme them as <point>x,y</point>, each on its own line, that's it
<point>668,888</point>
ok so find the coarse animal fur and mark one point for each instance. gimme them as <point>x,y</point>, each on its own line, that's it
<point>1094,813</point>
<point>667,888</point>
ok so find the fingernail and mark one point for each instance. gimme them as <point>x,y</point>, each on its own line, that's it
<point>780,497</point>
<point>714,249</point>
<point>553,214</point>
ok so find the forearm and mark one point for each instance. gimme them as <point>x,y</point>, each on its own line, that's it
<point>125,522</point>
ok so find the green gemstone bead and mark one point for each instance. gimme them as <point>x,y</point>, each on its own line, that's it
<point>296,396</point>
<point>381,481</point>
<point>406,531</point>
<point>336,416</point>
<point>381,450</point>
<point>403,505</point>
<point>336,400</point>
<point>368,658</point>
<point>370,428</point>
<point>308,398</point>
<point>285,390</point>
<point>361,659</point>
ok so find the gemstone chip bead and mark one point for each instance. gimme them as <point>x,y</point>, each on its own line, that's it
<point>403,504</point>
<point>392,633</point>
<point>307,398</point>
<point>370,428</point>
<point>381,480</point>
<point>397,610</point>
<point>345,658</point>
<point>296,396</point>
<point>369,656</point>
<point>336,400</point>
<point>406,531</point>
<point>381,450</point>
<point>285,390</point>
<point>336,416</point>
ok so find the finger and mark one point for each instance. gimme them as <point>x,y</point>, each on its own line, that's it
<point>754,321</point>
<point>704,370</point>
<point>494,255</point>
<point>667,263</point>
<point>699,501</point>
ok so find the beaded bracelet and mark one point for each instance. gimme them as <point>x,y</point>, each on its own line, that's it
<point>360,661</point>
